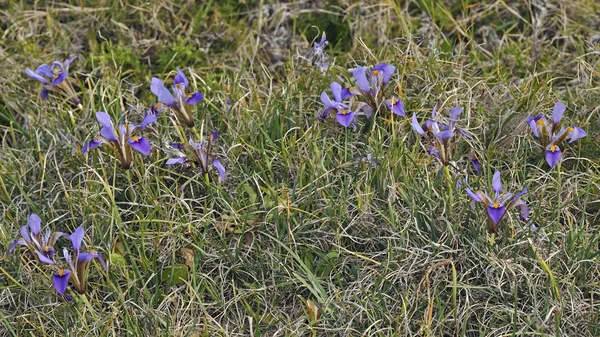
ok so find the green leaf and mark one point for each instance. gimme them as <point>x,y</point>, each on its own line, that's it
<point>116,258</point>
<point>175,274</point>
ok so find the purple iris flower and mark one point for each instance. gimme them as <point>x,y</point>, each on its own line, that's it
<point>455,112</point>
<point>343,111</point>
<point>179,100</point>
<point>54,78</point>
<point>122,140</point>
<point>76,262</point>
<point>549,134</point>
<point>199,153</point>
<point>500,204</point>
<point>41,245</point>
<point>371,82</point>
<point>396,106</point>
<point>317,55</point>
<point>438,134</point>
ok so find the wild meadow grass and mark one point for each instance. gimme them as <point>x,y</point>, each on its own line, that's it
<point>317,229</point>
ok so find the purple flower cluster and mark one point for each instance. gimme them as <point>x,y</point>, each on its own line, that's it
<point>200,154</point>
<point>43,249</point>
<point>124,139</point>
<point>317,55</point>
<point>370,88</point>
<point>551,136</point>
<point>438,135</point>
<point>54,78</point>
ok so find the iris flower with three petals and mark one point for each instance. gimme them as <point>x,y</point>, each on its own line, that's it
<point>54,79</point>
<point>499,205</point>
<point>75,272</point>
<point>122,140</point>
<point>41,245</point>
<point>550,136</point>
<point>178,100</point>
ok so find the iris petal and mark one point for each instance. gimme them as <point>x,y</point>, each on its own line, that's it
<point>148,119</point>
<point>108,130</point>
<point>464,132</point>
<point>217,164</point>
<point>557,112</point>
<point>164,95</point>
<point>60,78</point>
<point>520,194</point>
<point>327,101</point>
<point>365,108</point>
<point>172,161</point>
<point>553,155</point>
<point>496,214</point>
<point>434,111</point>
<point>433,151</point>
<point>76,238</point>
<point>444,136</point>
<point>36,76</point>
<point>141,145</point>
<point>475,162</point>
<point>361,79</point>
<point>336,90</point>
<point>473,196</point>
<point>89,256</point>
<point>35,224</point>
<point>416,126</point>
<point>180,79</point>
<point>496,183</point>
<point>345,119</point>
<point>94,143</point>
<point>43,258</point>
<point>25,234</point>
<point>396,106</point>
<point>576,134</point>
<point>388,71</point>
<point>68,62</point>
<point>524,210</point>
<point>16,243</point>
<point>455,112</point>
<point>44,70</point>
<point>347,93</point>
<point>323,114</point>
<point>194,98</point>
<point>61,281</point>
<point>533,127</point>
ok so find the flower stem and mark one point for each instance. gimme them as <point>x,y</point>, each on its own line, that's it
<point>449,187</point>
